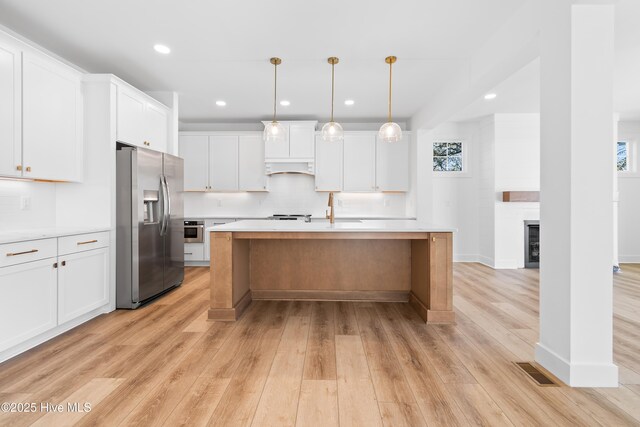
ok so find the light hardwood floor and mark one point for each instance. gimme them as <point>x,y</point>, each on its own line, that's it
<point>322,363</point>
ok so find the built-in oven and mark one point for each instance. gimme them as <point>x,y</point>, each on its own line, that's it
<point>194,231</point>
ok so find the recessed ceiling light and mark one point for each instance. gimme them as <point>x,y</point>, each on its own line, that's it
<point>349,102</point>
<point>490,96</point>
<point>221,103</point>
<point>160,48</point>
<point>285,103</point>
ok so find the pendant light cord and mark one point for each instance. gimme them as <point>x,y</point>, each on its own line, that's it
<point>390,72</point>
<point>275,90</point>
<point>332,89</point>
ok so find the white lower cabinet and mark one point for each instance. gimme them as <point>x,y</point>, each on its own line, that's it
<point>28,306</point>
<point>47,283</point>
<point>83,283</point>
<point>194,251</point>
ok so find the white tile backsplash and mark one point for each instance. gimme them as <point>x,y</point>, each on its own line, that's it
<point>39,200</point>
<point>293,194</point>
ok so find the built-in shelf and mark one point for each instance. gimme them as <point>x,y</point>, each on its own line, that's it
<point>520,196</point>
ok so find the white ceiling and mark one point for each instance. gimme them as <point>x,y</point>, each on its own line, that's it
<point>220,50</point>
<point>520,93</point>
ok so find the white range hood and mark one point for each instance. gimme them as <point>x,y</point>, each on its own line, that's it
<point>296,154</point>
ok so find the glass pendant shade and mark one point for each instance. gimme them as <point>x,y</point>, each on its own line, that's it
<point>332,132</point>
<point>390,132</point>
<point>274,132</point>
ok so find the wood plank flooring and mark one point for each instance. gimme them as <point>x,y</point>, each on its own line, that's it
<point>322,363</point>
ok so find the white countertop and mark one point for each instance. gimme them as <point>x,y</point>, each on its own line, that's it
<point>381,226</point>
<point>313,217</point>
<point>45,233</point>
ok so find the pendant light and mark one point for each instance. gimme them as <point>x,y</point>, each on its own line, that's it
<point>390,131</point>
<point>274,131</point>
<point>332,131</point>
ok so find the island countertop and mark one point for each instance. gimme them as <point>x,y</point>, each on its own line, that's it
<point>340,226</point>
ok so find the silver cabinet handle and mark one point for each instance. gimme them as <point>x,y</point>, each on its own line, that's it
<point>87,242</point>
<point>32,251</point>
<point>188,253</point>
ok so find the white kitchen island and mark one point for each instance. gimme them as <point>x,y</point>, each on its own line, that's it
<point>369,260</point>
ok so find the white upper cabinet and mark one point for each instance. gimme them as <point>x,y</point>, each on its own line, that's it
<point>329,159</point>
<point>360,162</point>
<point>194,149</point>
<point>10,138</point>
<point>223,163</point>
<point>141,121</point>
<point>52,119</point>
<point>392,165</point>
<point>251,170</point>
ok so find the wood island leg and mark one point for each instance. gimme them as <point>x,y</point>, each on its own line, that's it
<point>432,278</point>
<point>229,277</point>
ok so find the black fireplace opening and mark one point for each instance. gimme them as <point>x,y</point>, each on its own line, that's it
<point>532,244</point>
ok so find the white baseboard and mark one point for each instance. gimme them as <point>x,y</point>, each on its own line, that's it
<point>465,258</point>
<point>52,333</point>
<point>196,263</point>
<point>629,259</point>
<point>577,374</point>
<point>486,261</point>
<point>506,264</point>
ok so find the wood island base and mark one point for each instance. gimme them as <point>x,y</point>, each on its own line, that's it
<point>413,267</point>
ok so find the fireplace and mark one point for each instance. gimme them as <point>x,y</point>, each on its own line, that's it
<point>531,244</point>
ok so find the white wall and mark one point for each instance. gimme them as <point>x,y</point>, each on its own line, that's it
<point>455,200</point>
<point>293,194</point>
<point>629,206</point>
<point>486,191</point>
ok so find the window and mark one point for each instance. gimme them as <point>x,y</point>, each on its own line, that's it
<point>448,157</point>
<point>623,156</point>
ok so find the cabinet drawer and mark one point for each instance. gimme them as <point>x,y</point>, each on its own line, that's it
<point>82,242</point>
<point>32,250</point>
<point>194,251</point>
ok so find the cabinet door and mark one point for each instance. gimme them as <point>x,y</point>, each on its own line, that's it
<point>392,165</point>
<point>359,162</point>
<point>223,163</point>
<point>131,117</point>
<point>329,158</point>
<point>156,127</point>
<point>10,101</point>
<point>301,141</point>
<point>278,150</point>
<point>195,152</point>
<point>83,283</point>
<point>28,306</point>
<point>251,163</point>
<point>51,119</point>
<point>194,251</point>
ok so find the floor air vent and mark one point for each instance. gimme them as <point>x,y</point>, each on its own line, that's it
<point>536,375</point>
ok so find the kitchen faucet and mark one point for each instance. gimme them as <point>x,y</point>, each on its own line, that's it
<point>331,214</point>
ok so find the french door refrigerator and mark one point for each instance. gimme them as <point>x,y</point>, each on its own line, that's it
<point>150,225</point>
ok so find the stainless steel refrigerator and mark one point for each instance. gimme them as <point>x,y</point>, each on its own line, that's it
<point>150,225</point>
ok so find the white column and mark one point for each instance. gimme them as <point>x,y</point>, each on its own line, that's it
<point>616,194</point>
<point>576,192</point>
<point>424,175</point>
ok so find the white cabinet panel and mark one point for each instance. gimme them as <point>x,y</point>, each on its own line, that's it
<point>82,242</point>
<point>329,159</point>
<point>194,252</point>
<point>157,127</point>
<point>359,162</point>
<point>251,163</point>
<point>278,150</point>
<point>130,117</point>
<point>51,119</point>
<point>195,152</point>
<point>301,141</point>
<point>28,306</point>
<point>83,283</point>
<point>32,250</point>
<point>392,165</point>
<point>223,163</point>
<point>10,101</point>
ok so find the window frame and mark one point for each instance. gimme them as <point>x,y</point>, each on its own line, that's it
<point>466,169</point>
<point>632,157</point>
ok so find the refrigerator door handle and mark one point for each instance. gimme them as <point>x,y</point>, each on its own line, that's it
<point>165,206</point>
<point>167,215</point>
